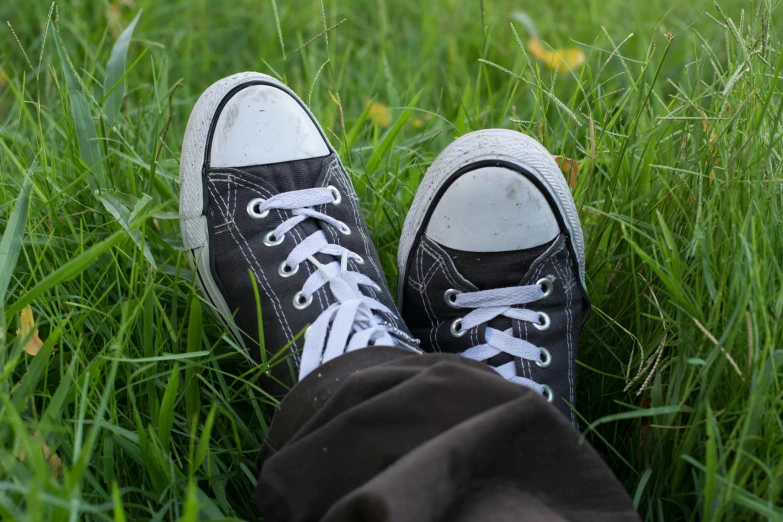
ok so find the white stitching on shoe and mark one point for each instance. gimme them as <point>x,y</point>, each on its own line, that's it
<point>334,237</point>
<point>569,321</point>
<point>451,271</point>
<point>232,180</point>
<point>437,267</point>
<point>567,281</point>
<point>525,362</point>
<point>440,264</point>
<point>442,261</point>
<point>350,323</point>
<point>256,269</point>
<point>225,209</point>
<point>424,290</point>
<point>427,304</point>
<point>337,175</point>
<point>281,215</point>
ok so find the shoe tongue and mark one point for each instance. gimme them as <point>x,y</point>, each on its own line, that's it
<point>489,270</point>
<point>293,175</point>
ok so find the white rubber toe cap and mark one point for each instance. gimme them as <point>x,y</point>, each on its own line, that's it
<point>492,209</point>
<point>261,125</point>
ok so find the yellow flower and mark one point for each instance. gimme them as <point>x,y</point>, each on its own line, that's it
<point>380,114</point>
<point>561,60</point>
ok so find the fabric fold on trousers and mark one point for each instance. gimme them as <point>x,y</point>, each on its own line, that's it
<point>383,435</point>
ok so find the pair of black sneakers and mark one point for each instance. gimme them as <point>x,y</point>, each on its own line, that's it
<point>491,258</point>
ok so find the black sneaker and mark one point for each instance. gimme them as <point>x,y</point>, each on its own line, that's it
<point>264,195</point>
<point>491,262</point>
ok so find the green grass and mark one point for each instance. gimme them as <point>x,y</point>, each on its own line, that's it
<point>156,414</point>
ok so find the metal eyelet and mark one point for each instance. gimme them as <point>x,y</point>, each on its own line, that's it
<point>301,302</point>
<point>455,328</point>
<point>548,394</point>
<point>547,285</point>
<point>268,241</point>
<point>345,229</point>
<point>545,322</point>
<point>252,209</point>
<point>546,359</point>
<point>358,259</point>
<point>450,296</point>
<point>337,197</point>
<point>286,271</point>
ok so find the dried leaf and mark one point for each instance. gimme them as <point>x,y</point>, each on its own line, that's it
<point>570,168</point>
<point>27,324</point>
<point>55,462</point>
<point>561,60</point>
<point>380,114</point>
<point>112,14</point>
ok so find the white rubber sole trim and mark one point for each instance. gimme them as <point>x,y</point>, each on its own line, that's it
<point>490,145</point>
<point>193,222</point>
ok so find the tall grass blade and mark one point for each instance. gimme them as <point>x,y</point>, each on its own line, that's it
<point>192,392</point>
<point>166,420</point>
<point>113,203</point>
<point>113,83</point>
<point>11,243</point>
<point>67,271</point>
<point>388,141</point>
<point>86,135</point>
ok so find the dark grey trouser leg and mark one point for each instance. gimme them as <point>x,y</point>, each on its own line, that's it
<point>383,435</point>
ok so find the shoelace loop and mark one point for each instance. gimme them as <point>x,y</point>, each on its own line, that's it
<point>485,306</point>
<point>351,322</point>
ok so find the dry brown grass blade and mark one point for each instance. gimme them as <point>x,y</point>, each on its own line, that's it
<point>570,168</point>
<point>28,331</point>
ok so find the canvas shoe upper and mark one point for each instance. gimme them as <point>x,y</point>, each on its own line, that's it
<point>492,262</point>
<point>264,197</point>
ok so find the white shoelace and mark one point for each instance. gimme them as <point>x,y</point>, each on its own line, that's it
<point>489,304</point>
<point>350,323</point>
